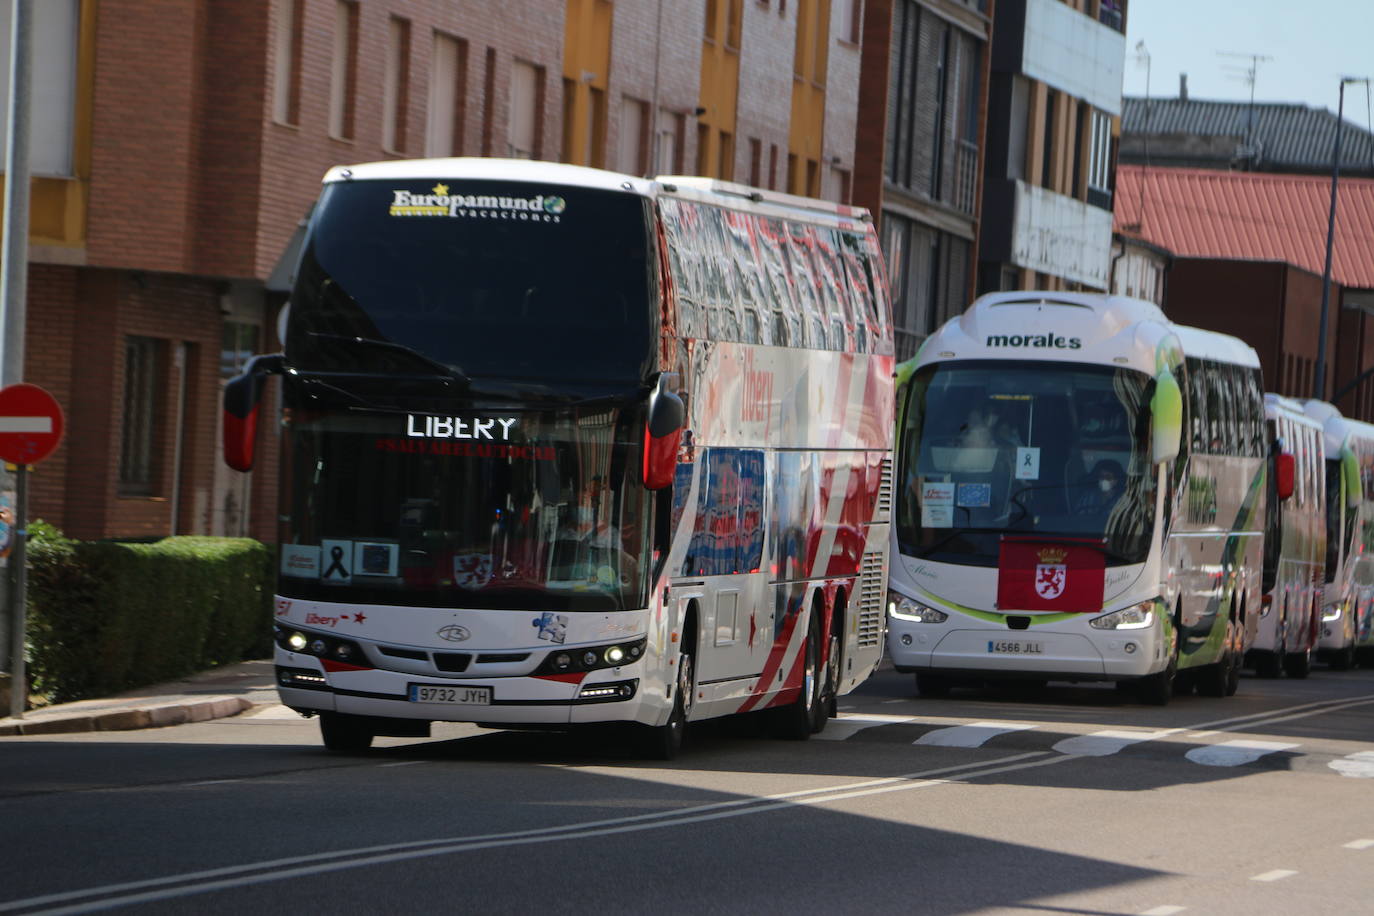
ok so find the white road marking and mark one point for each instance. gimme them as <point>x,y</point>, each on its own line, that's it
<point>1358,766</point>
<point>213,782</point>
<point>1163,911</point>
<point>1277,874</point>
<point>1106,743</point>
<point>975,734</point>
<point>846,727</point>
<point>276,712</point>
<point>1235,753</point>
<point>1359,844</point>
<point>402,763</point>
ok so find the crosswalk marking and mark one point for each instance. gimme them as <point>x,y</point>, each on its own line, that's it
<point>975,734</point>
<point>1359,844</point>
<point>846,727</point>
<point>1235,753</point>
<point>1106,743</point>
<point>1359,766</point>
<point>1163,911</point>
<point>1277,874</point>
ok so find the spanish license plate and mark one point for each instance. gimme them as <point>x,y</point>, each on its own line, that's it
<point>1015,647</point>
<point>450,696</point>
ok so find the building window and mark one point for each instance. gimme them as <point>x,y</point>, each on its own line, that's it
<point>772,166</point>
<point>286,65</point>
<point>138,435</point>
<point>633,157</point>
<point>396,85</point>
<point>343,72</point>
<point>1047,144</point>
<point>522,134</point>
<point>937,138</point>
<point>447,96</point>
<point>669,153</point>
<point>755,161</point>
<point>1100,161</point>
<point>52,83</point>
<point>851,20</point>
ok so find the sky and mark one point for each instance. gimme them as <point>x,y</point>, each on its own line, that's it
<point>1308,45</point>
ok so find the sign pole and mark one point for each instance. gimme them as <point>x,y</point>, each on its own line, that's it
<point>19,580</point>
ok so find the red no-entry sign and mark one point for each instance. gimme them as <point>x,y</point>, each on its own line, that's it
<point>30,424</point>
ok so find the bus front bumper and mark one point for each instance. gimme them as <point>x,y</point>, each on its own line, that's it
<point>1051,651</point>
<point>609,695</point>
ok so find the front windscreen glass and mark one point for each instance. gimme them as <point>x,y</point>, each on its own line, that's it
<point>482,279</point>
<point>995,448</point>
<point>486,509</point>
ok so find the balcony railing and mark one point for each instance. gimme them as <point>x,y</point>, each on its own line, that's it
<point>965,175</point>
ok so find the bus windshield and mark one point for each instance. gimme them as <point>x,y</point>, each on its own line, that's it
<point>527,510</point>
<point>491,279</point>
<point>994,448</point>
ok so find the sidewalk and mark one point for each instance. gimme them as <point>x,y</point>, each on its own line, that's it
<point>213,694</point>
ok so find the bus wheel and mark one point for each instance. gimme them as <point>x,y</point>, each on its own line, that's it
<point>829,706</point>
<point>663,742</point>
<point>1298,664</point>
<point>345,733</point>
<point>1270,664</point>
<point>932,686</point>
<point>1343,659</point>
<point>796,721</point>
<point>1158,689</point>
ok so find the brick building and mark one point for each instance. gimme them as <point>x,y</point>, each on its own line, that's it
<point>179,144</point>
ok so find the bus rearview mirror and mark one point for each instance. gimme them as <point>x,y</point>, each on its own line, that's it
<point>662,435</point>
<point>242,398</point>
<point>1350,476</point>
<point>1285,466</point>
<point>1166,409</point>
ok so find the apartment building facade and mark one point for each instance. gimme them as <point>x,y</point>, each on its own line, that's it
<point>1053,127</point>
<point>181,143</point>
<point>922,118</point>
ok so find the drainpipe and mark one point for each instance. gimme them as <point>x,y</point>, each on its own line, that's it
<point>179,360</point>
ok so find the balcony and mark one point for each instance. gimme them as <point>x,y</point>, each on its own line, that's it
<point>1061,236</point>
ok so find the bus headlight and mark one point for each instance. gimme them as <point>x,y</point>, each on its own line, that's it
<point>1136,617</point>
<point>593,658</point>
<point>903,608</point>
<point>1333,612</point>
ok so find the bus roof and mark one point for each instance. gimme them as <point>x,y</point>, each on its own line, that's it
<point>491,170</point>
<point>1220,347</point>
<point>730,193</point>
<point>1339,429</point>
<point>1290,407</point>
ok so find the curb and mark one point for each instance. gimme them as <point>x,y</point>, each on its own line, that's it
<point>129,719</point>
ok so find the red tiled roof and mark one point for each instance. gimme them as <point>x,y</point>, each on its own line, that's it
<point>1251,216</point>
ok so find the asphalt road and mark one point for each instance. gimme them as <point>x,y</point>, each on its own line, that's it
<point>1067,800</point>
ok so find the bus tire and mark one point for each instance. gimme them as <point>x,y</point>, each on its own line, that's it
<point>1298,664</point>
<point>1270,664</point>
<point>1158,689</point>
<point>1343,659</point>
<point>932,686</point>
<point>829,707</point>
<point>344,733</point>
<point>664,742</point>
<point>797,720</point>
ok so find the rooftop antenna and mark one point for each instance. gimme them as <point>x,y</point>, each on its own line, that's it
<point>1142,58</point>
<point>1249,75</point>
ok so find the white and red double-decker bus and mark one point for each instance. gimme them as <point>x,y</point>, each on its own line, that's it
<point>564,446</point>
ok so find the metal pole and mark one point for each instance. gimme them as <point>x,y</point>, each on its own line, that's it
<point>14,271</point>
<point>19,574</point>
<point>1319,381</point>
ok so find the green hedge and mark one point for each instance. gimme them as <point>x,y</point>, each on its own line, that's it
<point>107,616</point>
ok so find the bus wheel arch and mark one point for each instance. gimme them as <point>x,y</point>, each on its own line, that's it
<point>663,742</point>
<point>796,721</point>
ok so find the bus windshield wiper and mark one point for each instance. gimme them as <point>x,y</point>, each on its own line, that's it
<point>441,369</point>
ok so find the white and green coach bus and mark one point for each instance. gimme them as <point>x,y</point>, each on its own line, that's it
<point>1082,499</point>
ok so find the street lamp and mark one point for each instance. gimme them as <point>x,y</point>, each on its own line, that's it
<point>1320,378</point>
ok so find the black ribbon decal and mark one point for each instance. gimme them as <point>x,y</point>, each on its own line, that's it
<point>337,554</point>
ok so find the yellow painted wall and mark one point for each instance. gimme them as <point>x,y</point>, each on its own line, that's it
<point>586,70</point>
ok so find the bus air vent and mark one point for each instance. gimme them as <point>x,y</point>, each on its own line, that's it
<point>884,507</point>
<point>452,662</point>
<point>871,581</point>
<point>397,652</point>
<point>499,658</point>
